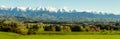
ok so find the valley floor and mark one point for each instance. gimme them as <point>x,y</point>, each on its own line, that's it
<point>9,35</point>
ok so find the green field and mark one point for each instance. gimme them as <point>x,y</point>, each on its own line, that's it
<point>9,35</point>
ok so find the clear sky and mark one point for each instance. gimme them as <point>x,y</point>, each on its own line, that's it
<point>82,5</point>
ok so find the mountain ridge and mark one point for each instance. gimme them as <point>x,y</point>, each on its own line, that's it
<point>44,14</point>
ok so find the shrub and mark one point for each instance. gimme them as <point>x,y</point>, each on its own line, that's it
<point>40,30</point>
<point>57,28</point>
<point>87,28</point>
<point>75,28</point>
<point>32,31</point>
<point>24,31</point>
<point>68,29</point>
<point>53,28</point>
<point>65,29</point>
<point>61,29</point>
<point>81,28</point>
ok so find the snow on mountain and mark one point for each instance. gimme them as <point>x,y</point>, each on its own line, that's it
<point>66,9</point>
<point>49,8</point>
<point>22,8</point>
<point>52,13</point>
<point>52,9</point>
<point>3,7</point>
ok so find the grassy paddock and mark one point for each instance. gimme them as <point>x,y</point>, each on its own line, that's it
<point>80,33</point>
<point>71,37</point>
<point>9,35</point>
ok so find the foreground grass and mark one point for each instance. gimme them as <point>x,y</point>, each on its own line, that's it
<point>71,37</point>
<point>8,35</point>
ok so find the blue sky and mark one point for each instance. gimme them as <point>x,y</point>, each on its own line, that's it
<point>112,6</point>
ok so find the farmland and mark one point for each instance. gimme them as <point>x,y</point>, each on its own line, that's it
<point>9,35</point>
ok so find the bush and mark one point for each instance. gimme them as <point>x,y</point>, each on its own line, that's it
<point>24,31</point>
<point>65,29</point>
<point>81,28</point>
<point>76,28</point>
<point>68,29</point>
<point>53,28</point>
<point>61,29</point>
<point>32,31</point>
<point>40,30</point>
<point>57,28</point>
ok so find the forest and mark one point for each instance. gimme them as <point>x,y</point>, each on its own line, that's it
<point>27,28</point>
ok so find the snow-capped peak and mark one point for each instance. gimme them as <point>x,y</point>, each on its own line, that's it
<point>3,7</point>
<point>52,9</point>
<point>22,8</point>
<point>64,9</point>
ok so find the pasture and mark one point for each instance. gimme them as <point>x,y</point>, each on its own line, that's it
<point>9,35</point>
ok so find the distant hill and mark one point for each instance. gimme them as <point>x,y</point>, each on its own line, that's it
<point>60,15</point>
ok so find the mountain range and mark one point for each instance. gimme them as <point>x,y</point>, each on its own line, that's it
<point>55,15</point>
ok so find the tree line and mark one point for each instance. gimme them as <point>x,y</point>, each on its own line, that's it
<point>36,28</point>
